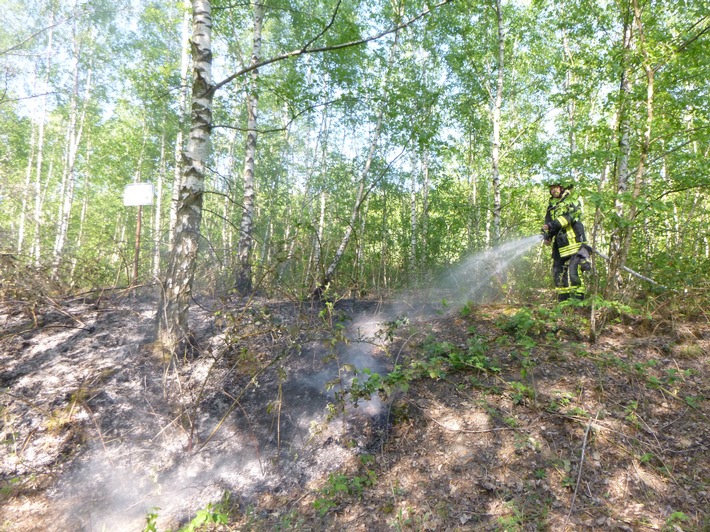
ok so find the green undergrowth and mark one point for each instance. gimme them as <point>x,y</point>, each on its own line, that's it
<point>493,356</point>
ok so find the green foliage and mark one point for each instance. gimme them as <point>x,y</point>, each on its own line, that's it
<point>151,520</point>
<point>212,514</point>
<point>674,520</point>
<point>526,323</point>
<point>340,486</point>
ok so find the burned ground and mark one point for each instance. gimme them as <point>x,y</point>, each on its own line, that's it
<point>485,417</point>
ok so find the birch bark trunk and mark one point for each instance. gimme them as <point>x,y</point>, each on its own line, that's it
<point>622,167</point>
<point>413,223</point>
<point>182,117</point>
<point>497,104</point>
<point>246,238</point>
<point>646,142</point>
<point>424,218</point>
<point>158,210</point>
<point>37,217</point>
<point>80,236</point>
<point>74,134</point>
<point>26,193</point>
<point>330,271</point>
<point>172,324</point>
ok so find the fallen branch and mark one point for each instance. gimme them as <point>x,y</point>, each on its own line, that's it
<point>579,470</point>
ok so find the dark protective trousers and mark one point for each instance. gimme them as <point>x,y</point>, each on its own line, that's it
<point>565,273</point>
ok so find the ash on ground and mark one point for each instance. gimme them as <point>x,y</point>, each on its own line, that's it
<point>100,427</point>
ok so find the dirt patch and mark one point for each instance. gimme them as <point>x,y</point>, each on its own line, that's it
<point>485,417</point>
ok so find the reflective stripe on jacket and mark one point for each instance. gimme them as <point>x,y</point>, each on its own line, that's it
<point>563,218</point>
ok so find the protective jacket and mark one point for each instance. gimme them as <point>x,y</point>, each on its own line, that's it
<point>569,252</point>
<point>565,227</point>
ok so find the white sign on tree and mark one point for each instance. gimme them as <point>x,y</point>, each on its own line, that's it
<point>137,194</point>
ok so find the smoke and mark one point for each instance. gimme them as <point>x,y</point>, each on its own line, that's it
<point>257,450</point>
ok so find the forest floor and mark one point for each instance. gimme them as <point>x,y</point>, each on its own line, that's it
<point>481,417</point>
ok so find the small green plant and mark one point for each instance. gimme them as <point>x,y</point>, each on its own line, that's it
<point>10,487</point>
<point>630,413</point>
<point>217,514</point>
<point>521,324</point>
<point>512,522</point>
<point>340,486</point>
<point>151,520</point>
<point>674,520</point>
<point>646,458</point>
<point>520,392</point>
<point>693,401</point>
<point>577,411</point>
<point>289,521</point>
<point>511,422</point>
<point>467,310</point>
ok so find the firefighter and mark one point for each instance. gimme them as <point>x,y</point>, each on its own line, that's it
<point>563,229</point>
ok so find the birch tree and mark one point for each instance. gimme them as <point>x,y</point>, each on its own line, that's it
<point>37,190</point>
<point>622,166</point>
<point>497,103</point>
<point>246,238</point>
<point>74,133</point>
<point>173,331</point>
<point>183,96</point>
<point>363,178</point>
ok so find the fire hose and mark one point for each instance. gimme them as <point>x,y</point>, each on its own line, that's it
<point>546,236</point>
<point>629,270</point>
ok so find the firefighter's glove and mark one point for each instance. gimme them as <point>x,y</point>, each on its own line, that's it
<point>585,266</point>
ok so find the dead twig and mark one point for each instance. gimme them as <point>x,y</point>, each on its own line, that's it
<point>579,471</point>
<point>98,430</point>
<point>466,431</point>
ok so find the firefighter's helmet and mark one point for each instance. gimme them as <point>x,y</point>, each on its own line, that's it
<point>563,186</point>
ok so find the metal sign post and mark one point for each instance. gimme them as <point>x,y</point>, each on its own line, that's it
<point>137,195</point>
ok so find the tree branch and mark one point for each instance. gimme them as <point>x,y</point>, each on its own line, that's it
<point>306,50</point>
<point>291,121</point>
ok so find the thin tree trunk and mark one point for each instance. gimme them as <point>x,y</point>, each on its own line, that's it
<point>226,233</point>
<point>622,167</point>
<point>571,104</point>
<point>497,104</point>
<point>246,236</point>
<point>80,236</point>
<point>74,134</point>
<point>330,271</point>
<point>158,216</point>
<point>360,256</point>
<point>26,193</point>
<point>646,144</point>
<point>413,228</point>
<point>137,178</point>
<point>424,217</point>
<point>474,219</point>
<point>384,249</point>
<point>173,307</point>
<point>37,218</point>
<point>318,248</point>
<point>182,119</point>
